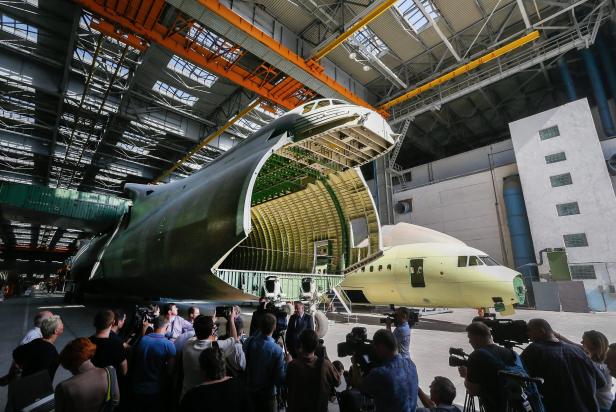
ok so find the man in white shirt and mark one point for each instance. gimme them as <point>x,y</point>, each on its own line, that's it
<point>205,337</point>
<point>35,332</point>
<point>32,334</point>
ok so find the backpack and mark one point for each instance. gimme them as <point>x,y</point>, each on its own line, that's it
<point>510,388</point>
<point>110,402</point>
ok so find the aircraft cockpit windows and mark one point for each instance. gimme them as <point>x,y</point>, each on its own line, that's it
<point>307,108</point>
<point>462,261</point>
<point>489,261</point>
<point>474,261</point>
<point>323,103</point>
<point>380,268</point>
<point>389,267</point>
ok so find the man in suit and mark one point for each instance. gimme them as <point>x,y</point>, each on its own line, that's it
<point>299,322</point>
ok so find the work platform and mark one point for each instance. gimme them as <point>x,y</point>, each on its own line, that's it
<point>66,209</point>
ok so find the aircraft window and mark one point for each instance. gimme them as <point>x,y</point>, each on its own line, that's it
<point>338,102</point>
<point>307,108</point>
<point>489,261</point>
<point>388,267</point>
<point>380,267</point>
<point>371,268</point>
<point>363,269</point>
<point>462,260</point>
<point>322,103</point>
<point>474,261</point>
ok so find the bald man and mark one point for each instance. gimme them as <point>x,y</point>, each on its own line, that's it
<point>570,377</point>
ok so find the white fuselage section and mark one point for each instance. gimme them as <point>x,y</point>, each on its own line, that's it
<point>433,275</point>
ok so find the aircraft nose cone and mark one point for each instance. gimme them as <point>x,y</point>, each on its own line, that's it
<point>520,289</point>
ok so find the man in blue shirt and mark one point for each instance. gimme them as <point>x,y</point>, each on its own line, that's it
<point>265,366</point>
<point>393,382</point>
<point>154,355</point>
<point>402,333</point>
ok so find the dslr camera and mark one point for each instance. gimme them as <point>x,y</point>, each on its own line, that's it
<point>357,344</point>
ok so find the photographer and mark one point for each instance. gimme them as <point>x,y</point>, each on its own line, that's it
<point>481,373</point>
<point>265,365</point>
<point>310,379</point>
<point>205,337</point>
<point>402,333</point>
<point>392,382</point>
<point>256,317</point>
<point>299,322</point>
<point>570,377</point>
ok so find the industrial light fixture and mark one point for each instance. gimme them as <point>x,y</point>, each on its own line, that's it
<point>366,68</point>
<point>352,55</point>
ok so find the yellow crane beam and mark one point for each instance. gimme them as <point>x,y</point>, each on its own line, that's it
<point>373,14</point>
<point>462,69</point>
<point>208,139</point>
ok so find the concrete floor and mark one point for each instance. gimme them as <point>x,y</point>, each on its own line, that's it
<point>430,342</point>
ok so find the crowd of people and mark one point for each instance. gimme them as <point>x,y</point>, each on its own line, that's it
<point>168,363</point>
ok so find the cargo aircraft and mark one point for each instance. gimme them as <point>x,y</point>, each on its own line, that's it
<point>261,218</point>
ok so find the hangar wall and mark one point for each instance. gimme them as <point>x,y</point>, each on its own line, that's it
<point>455,195</point>
<point>568,193</point>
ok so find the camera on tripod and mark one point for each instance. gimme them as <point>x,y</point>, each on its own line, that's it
<point>457,357</point>
<point>358,345</point>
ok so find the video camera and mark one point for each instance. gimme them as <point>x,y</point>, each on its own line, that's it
<point>507,332</point>
<point>357,344</point>
<point>281,320</point>
<point>413,317</point>
<point>143,314</point>
<point>457,357</point>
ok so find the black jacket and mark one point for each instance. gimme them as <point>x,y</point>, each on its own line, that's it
<point>296,326</point>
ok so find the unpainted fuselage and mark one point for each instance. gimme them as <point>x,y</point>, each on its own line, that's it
<point>434,274</point>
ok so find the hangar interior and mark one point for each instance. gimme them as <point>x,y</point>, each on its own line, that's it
<point>98,94</point>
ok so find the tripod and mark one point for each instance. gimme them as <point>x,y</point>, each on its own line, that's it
<point>469,404</point>
<point>517,398</point>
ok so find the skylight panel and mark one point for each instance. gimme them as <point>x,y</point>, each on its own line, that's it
<point>370,41</point>
<point>133,148</point>
<point>413,15</point>
<point>213,43</point>
<point>248,124</point>
<point>19,29</point>
<point>186,68</point>
<point>175,93</point>
<point>18,117</point>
